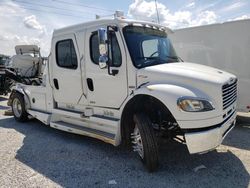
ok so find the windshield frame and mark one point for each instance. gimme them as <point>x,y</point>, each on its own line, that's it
<point>152,32</point>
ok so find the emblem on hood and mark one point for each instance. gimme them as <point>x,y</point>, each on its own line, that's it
<point>231,80</point>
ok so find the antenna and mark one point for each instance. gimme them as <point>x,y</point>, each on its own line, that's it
<point>158,19</point>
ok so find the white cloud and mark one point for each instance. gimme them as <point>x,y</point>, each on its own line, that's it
<point>18,26</point>
<point>26,40</point>
<point>4,38</point>
<point>32,23</point>
<point>191,5</point>
<point>243,17</point>
<point>145,10</point>
<point>206,17</point>
<point>18,40</point>
<point>233,6</point>
<point>10,9</point>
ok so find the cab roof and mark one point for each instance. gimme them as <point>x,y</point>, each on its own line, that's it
<point>99,22</point>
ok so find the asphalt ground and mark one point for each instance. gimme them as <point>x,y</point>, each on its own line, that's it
<point>35,155</point>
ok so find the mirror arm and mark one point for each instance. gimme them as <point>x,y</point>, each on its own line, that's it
<point>113,27</point>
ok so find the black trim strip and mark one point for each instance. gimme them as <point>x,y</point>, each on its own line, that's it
<point>105,117</point>
<point>194,130</point>
<point>39,111</point>
<point>69,110</point>
<point>228,129</point>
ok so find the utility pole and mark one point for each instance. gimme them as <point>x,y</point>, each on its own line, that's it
<point>158,19</point>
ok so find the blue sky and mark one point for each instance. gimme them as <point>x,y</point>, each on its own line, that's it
<point>32,22</point>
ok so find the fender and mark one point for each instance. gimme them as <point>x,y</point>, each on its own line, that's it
<point>168,94</point>
<point>20,89</point>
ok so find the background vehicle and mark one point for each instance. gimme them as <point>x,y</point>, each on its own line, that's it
<point>4,83</point>
<point>121,81</point>
<point>27,65</point>
<point>225,46</point>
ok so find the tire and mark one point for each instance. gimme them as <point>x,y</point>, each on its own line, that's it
<point>18,107</point>
<point>149,153</point>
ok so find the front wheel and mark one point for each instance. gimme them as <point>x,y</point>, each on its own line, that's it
<point>144,141</point>
<point>18,107</point>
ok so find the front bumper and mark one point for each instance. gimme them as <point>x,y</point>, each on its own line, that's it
<point>206,139</point>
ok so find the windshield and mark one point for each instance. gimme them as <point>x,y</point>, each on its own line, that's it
<point>149,46</point>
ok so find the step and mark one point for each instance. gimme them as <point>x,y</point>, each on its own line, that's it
<point>81,130</point>
<point>40,115</point>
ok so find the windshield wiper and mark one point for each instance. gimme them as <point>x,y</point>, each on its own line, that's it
<point>158,58</point>
<point>175,57</point>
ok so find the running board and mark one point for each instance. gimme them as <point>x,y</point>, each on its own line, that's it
<point>104,136</point>
<point>41,116</point>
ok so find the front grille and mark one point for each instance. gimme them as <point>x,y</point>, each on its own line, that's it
<point>229,94</point>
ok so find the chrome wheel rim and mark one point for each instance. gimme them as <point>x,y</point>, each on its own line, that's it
<point>137,142</point>
<point>17,107</point>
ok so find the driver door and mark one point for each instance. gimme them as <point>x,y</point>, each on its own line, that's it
<point>105,90</point>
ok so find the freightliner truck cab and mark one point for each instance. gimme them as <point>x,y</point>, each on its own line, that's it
<point>122,82</point>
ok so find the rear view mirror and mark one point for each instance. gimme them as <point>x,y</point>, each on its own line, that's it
<point>103,50</point>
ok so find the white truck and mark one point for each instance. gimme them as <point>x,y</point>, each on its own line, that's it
<point>121,81</point>
<point>224,46</point>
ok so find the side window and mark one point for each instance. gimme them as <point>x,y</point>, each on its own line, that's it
<point>94,48</point>
<point>150,48</point>
<point>114,49</point>
<point>66,54</point>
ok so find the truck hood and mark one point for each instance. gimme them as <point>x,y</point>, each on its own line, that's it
<point>206,79</point>
<point>184,72</point>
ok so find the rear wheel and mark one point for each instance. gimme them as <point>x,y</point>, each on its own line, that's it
<point>18,107</point>
<point>144,141</point>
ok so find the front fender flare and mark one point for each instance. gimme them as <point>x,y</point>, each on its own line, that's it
<point>167,94</point>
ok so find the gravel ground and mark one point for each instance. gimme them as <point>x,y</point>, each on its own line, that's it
<point>34,155</point>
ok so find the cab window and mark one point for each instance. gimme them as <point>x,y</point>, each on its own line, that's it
<point>114,49</point>
<point>66,54</point>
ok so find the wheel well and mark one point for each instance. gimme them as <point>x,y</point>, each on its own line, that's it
<point>9,103</point>
<point>151,106</point>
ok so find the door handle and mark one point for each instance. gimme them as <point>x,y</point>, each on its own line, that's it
<point>56,83</point>
<point>90,84</point>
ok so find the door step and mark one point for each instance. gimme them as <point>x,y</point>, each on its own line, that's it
<point>40,115</point>
<point>86,131</point>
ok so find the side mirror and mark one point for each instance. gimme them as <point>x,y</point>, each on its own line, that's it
<point>103,49</point>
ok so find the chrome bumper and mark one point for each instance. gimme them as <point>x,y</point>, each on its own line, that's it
<point>203,141</point>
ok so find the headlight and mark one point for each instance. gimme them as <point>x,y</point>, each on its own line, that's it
<point>194,105</point>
